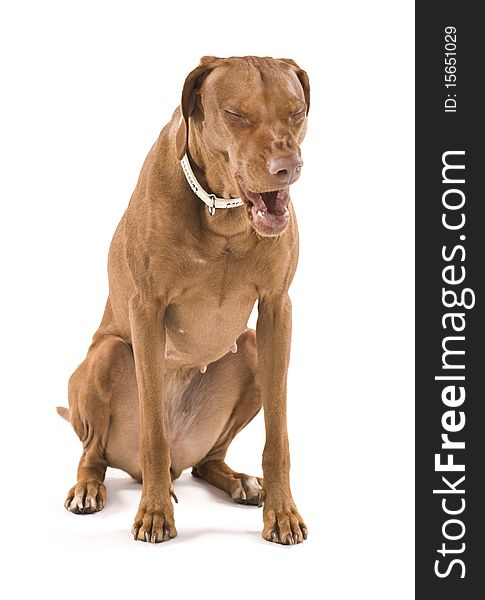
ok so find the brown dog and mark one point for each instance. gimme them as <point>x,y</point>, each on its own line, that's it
<point>172,374</point>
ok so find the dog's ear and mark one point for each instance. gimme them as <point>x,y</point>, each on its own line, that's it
<point>189,93</point>
<point>303,77</point>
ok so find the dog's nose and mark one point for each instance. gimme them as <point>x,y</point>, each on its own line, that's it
<point>286,168</point>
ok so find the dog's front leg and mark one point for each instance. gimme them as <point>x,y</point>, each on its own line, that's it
<point>154,521</point>
<point>282,522</point>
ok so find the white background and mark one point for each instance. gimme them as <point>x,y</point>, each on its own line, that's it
<point>86,87</point>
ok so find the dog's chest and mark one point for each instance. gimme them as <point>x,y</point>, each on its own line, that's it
<point>211,307</point>
<point>215,290</point>
<point>200,328</point>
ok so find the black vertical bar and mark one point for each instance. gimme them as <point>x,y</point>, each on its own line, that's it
<point>450,119</point>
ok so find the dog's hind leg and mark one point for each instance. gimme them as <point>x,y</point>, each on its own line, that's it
<point>91,388</point>
<point>241,371</point>
<point>242,488</point>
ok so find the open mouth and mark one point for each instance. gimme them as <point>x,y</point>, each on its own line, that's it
<point>268,211</point>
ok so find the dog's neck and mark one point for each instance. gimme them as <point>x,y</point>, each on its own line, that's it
<point>213,173</point>
<point>212,168</point>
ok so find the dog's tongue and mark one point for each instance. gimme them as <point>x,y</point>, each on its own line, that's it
<point>268,222</point>
<point>269,210</point>
<point>276,202</point>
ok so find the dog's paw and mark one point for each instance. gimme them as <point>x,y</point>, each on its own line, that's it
<point>283,524</point>
<point>154,522</point>
<point>86,497</point>
<point>247,490</point>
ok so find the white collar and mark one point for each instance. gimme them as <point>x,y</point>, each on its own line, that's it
<point>211,200</point>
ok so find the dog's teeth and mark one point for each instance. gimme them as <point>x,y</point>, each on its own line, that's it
<point>261,213</point>
<point>234,348</point>
<point>203,369</point>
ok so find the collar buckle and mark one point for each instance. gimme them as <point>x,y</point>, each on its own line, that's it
<point>212,209</point>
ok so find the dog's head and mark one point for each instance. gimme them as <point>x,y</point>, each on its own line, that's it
<point>247,118</point>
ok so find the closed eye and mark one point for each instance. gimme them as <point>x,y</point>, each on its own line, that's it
<point>299,114</point>
<point>234,114</point>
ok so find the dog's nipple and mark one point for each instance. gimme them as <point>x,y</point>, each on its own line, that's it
<point>234,348</point>
<point>168,353</point>
<point>203,369</point>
